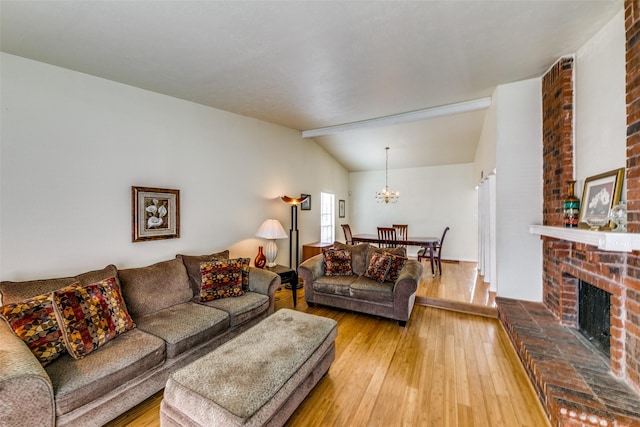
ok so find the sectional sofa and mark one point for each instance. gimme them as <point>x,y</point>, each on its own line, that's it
<point>169,327</point>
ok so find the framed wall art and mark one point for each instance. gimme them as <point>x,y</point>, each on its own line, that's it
<point>601,192</point>
<point>306,205</point>
<point>155,213</point>
<point>341,209</point>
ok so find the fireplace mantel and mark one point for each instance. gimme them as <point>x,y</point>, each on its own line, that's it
<point>607,241</point>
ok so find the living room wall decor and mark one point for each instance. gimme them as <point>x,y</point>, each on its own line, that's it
<point>155,213</point>
<point>306,202</point>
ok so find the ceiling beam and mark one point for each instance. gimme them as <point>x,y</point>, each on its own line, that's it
<point>427,113</point>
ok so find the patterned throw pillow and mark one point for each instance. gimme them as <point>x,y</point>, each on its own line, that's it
<point>90,316</point>
<point>221,279</point>
<point>378,267</point>
<point>337,262</point>
<point>35,322</point>
<point>397,264</point>
<point>245,274</point>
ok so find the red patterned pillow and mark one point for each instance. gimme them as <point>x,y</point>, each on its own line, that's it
<point>378,267</point>
<point>397,264</point>
<point>222,278</point>
<point>90,316</point>
<point>337,262</point>
<point>35,322</point>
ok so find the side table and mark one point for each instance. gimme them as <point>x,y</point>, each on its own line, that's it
<point>287,275</point>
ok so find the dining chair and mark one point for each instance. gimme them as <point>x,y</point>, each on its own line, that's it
<point>402,231</point>
<point>348,237</point>
<point>437,254</point>
<point>386,234</point>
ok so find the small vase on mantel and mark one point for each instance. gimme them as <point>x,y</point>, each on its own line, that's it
<point>571,207</point>
<point>261,259</point>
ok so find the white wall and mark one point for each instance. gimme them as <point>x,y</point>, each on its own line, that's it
<point>431,199</point>
<point>600,112</point>
<point>518,189</point>
<point>72,145</point>
<point>485,159</point>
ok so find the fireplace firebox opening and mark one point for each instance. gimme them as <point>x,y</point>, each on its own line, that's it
<point>594,313</point>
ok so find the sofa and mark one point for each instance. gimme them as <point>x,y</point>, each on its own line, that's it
<point>363,278</point>
<point>164,325</point>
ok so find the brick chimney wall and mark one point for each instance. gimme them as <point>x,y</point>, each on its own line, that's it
<point>632,279</point>
<point>565,262</point>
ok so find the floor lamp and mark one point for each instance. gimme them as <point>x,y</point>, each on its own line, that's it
<point>294,228</point>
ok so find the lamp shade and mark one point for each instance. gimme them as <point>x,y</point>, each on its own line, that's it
<point>271,229</point>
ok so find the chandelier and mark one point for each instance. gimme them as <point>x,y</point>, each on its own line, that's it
<point>386,196</point>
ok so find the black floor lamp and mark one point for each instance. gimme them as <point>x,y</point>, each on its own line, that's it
<point>294,227</point>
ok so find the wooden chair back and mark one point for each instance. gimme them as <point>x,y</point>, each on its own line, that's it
<point>386,234</point>
<point>402,231</point>
<point>348,237</point>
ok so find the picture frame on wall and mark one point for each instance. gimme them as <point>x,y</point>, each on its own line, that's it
<point>155,213</point>
<point>599,195</point>
<point>306,204</point>
<point>341,209</point>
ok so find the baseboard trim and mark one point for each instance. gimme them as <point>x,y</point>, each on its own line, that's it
<point>461,307</point>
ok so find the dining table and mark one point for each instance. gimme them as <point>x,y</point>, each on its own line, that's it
<point>424,242</point>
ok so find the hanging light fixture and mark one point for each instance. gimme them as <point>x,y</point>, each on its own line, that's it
<point>386,196</point>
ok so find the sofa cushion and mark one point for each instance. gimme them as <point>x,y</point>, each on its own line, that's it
<point>184,325</point>
<point>78,382</point>
<point>155,287</point>
<point>192,264</point>
<point>13,292</point>
<point>337,262</point>
<point>358,256</point>
<point>378,267</point>
<point>370,290</point>
<point>241,309</point>
<point>90,316</point>
<point>222,279</point>
<point>397,264</point>
<point>335,285</point>
<point>34,321</point>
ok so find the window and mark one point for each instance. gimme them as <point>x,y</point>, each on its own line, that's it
<point>327,218</point>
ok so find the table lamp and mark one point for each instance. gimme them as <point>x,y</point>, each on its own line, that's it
<point>271,229</point>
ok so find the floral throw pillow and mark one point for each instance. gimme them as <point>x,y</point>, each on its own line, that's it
<point>90,316</point>
<point>337,262</point>
<point>34,321</point>
<point>397,264</point>
<point>222,279</point>
<point>378,267</point>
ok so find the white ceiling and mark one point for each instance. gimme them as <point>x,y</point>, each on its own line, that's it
<point>306,65</point>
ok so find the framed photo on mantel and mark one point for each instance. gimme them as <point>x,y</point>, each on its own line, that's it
<point>155,213</point>
<point>600,194</point>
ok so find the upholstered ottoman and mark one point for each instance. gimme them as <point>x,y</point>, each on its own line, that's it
<point>258,378</point>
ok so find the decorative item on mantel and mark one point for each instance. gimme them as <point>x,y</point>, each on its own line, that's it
<point>619,216</point>
<point>571,207</point>
<point>271,229</point>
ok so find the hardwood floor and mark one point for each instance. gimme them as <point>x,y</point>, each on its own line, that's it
<point>444,368</point>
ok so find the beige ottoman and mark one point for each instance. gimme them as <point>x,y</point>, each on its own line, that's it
<point>258,378</point>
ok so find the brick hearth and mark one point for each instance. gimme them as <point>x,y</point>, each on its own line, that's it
<point>571,377</point>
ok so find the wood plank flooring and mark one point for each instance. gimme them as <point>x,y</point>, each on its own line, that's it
<point>444,369</point>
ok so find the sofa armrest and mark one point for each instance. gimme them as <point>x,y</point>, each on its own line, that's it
<point>264,282</point>
<point>26,393</point>
<point>312,268</point>
<point>409,277</point>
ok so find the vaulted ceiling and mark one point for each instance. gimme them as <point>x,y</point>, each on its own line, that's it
<point>312,64</point>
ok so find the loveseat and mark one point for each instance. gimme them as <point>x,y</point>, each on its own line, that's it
<point>362,278</point>
<point>169,327</point>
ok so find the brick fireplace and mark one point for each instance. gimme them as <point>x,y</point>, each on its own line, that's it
<point>565,371</point>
